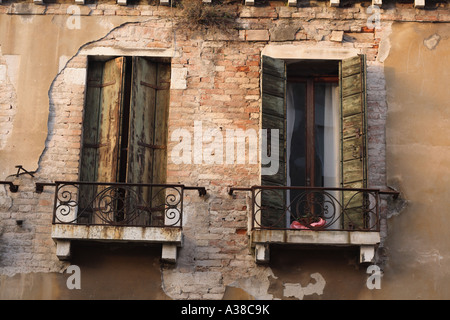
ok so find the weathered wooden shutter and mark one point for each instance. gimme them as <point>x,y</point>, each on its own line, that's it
<point>91,123</point>
<point>352,82</point>
<point>100,149</point>
<point>110,110</point>
<point>142,121</point>
<point>147,145</point>
<point>274,117</point>
<point>161,195</point>
<point>90,140</point>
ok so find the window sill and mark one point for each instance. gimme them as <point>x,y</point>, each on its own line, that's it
<point>366,240</point>
<point>169,237</point>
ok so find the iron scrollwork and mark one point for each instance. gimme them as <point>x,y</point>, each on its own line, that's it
<point>118,204</point>
<point>315,208</point>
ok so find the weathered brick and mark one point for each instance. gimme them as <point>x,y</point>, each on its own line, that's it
<point>257,35</point>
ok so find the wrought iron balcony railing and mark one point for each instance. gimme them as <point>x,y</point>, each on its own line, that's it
<point>119,204</point>
<point>315,208</point>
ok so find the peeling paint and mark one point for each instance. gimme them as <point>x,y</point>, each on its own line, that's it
<point>296,290</point>
<point>257,285</point>
<point>385,44</point>
<point>432,41</point>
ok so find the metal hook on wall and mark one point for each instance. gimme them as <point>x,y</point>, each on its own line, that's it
<point>24,171</point>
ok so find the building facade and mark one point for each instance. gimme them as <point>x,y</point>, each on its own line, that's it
<point>196,150</point>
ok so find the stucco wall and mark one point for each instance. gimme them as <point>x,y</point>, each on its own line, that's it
<point>417,81</point>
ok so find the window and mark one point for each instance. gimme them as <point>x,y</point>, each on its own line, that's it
<point>319,109</point>
<point>125,124</point>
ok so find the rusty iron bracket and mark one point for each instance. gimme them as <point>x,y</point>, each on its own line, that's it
<point>12,187</point>
<point>395,194</point>
<point>40,186</point>
<point>201,190</point>
<point>232,189</point>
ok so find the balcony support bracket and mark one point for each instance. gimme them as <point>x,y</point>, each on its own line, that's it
<point>63,249</point>
<point>262,253</point>
<point>366,253</point>
<point>169,253</point>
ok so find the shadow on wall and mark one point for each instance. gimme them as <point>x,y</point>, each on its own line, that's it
<point>101,272</point>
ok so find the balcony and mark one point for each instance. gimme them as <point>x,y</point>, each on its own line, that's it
<point>119,212</point>
<point>314,216</point>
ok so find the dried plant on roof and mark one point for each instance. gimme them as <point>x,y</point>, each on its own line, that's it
<point>196,15</point>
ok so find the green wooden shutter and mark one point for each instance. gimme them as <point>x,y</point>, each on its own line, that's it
<point>142,120</point>
<point>90,140</point>
<point>91,123</point>
<point>161,123</point>
<point>352,82</point>
<point>147,145</point>
<point>160,195</point>
<point>274,117</point>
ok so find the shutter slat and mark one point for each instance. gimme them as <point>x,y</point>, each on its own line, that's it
<point>352,104</point>
<point>272,105</point>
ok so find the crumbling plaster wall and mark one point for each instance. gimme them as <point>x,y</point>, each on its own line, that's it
<point>37,46</point>
<point>218,79</point>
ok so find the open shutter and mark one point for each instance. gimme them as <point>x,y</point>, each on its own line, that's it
<point>101,121</point>
<point>161,121</point>
<point>110,105</point>
<point>91,123</point>
<point>142,121</point>
<point>90,140</point>
<point>352,82</point>
<point>141,131</point>
<point>273,117</point>
<point>160,195</point>
<point>99,159</point>
<point>147,151</point>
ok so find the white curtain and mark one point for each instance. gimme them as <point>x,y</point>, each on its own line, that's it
<point>331,146</point>
<point>331,137</point>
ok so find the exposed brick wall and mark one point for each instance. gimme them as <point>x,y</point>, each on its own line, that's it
<point>8,101</point>
<point>222,89</point>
